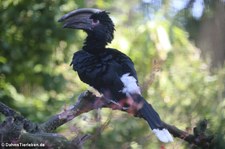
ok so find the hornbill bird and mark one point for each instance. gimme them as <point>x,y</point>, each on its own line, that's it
<point>108,70</point>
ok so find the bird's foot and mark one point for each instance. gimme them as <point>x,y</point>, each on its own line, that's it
<point>118,104</point>
<point>114,102</point>
<point>125,108</point>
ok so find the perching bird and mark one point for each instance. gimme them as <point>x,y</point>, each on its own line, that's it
<point>108,70</point>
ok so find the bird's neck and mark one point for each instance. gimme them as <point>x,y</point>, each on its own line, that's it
<point>94,46</point>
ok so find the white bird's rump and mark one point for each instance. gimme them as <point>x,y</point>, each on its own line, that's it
<point>130,84</point>
<point>163,135</point>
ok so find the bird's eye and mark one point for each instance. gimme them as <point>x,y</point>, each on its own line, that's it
<point>95,21</point>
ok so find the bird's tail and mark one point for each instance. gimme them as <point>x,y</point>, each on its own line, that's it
<point>152,117</point>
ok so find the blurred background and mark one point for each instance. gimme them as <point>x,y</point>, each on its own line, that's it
<point>187,37</point>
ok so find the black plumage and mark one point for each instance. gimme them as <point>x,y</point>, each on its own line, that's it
<point>104,70</point>
<point>108,70</point>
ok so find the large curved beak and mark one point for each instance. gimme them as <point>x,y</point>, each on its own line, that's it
<point>79,18</point>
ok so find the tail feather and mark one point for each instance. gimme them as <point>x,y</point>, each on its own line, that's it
<point>163,135</point>
<point>152,117</point>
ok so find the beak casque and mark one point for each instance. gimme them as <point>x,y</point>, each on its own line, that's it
<point>79,18</point>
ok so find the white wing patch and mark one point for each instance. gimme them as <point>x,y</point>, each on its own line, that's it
<point>163,135</point>
<point>130,84</point>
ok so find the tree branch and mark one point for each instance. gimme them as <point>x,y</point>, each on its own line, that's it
<point>17,131</point>
<point>5,110</point>
<point>88,101</point>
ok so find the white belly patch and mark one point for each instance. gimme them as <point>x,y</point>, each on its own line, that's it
<point>130,85</point>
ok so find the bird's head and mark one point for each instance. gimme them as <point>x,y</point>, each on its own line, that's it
<point>96,23</point>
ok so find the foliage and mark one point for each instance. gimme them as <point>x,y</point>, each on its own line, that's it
<point>36,79</point>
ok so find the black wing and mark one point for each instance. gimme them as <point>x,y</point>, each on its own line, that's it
<point>125,62</point>
<point>87,66</point>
